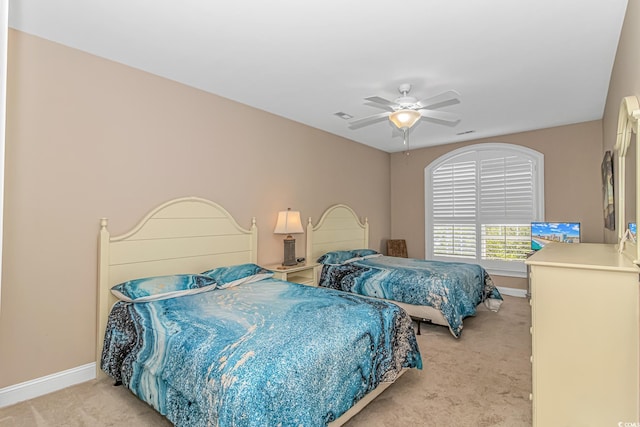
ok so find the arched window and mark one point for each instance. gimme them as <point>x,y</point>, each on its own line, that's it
<point>480,201</point>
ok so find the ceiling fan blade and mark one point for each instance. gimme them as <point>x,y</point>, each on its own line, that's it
<point>441,116</point>
<point>368,120</point>
<point>382,101</point>
<point>449,97</point>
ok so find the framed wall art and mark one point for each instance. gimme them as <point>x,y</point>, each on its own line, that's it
<point>607,192</point>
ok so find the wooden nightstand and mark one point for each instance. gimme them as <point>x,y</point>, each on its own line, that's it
<point>305,274</point>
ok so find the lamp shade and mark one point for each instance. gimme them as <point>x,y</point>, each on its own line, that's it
<point>404,119</point>
<point>288,222</point>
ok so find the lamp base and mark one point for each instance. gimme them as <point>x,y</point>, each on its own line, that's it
<point>289,251</point>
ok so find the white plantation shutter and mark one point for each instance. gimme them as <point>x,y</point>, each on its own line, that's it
<point>506,187</point>
<point>480,201</point>
<point>454,205</point>
<point>455,190</point>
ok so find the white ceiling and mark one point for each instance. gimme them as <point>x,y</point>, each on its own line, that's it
<point>518,65</point>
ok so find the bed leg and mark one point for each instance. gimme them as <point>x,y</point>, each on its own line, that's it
<point>117,383</point>
<point>419,323</point>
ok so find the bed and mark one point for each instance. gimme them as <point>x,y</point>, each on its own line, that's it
<point>204,335</point>
<point>442,293</point>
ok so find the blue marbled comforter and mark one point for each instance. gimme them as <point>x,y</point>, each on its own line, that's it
<point>260,354</point>
<point>455,289</point>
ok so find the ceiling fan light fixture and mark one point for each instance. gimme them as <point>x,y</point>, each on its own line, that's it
<point>404,119</point>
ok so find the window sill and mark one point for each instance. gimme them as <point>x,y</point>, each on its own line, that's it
<point>507,273</point>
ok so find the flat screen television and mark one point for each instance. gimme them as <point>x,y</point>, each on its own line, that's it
<point>543,232</point>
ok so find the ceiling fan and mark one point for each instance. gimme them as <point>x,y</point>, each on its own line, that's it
<point>405,111</point>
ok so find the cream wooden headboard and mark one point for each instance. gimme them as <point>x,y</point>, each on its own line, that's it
<point>339,228</point>
<point>186,235</point>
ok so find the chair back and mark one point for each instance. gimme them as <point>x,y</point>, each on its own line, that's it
<point>397,247</point>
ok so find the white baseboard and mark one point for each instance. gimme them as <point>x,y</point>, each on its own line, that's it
<point>48,384</point>
<point>514,292</point>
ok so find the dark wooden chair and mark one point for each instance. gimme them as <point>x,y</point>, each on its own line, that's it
<point>397,247</point>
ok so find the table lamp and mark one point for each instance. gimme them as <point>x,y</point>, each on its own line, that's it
<point>289,223</point>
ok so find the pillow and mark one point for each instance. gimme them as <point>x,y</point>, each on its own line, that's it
<point>234,275</point>
<point>365,252</point>
<point>162,287</point>
<point>341,257</point>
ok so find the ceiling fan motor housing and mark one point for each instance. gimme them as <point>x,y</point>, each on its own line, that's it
<point>406,102</point>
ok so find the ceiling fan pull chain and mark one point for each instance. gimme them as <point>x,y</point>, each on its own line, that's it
<point>405,132</point>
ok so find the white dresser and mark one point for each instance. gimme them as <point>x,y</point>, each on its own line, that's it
<point>585,317</point>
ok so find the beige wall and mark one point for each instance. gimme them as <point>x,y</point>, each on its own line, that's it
<point>625,81</point>
<point>89,138</point>
<point>573,183</point>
